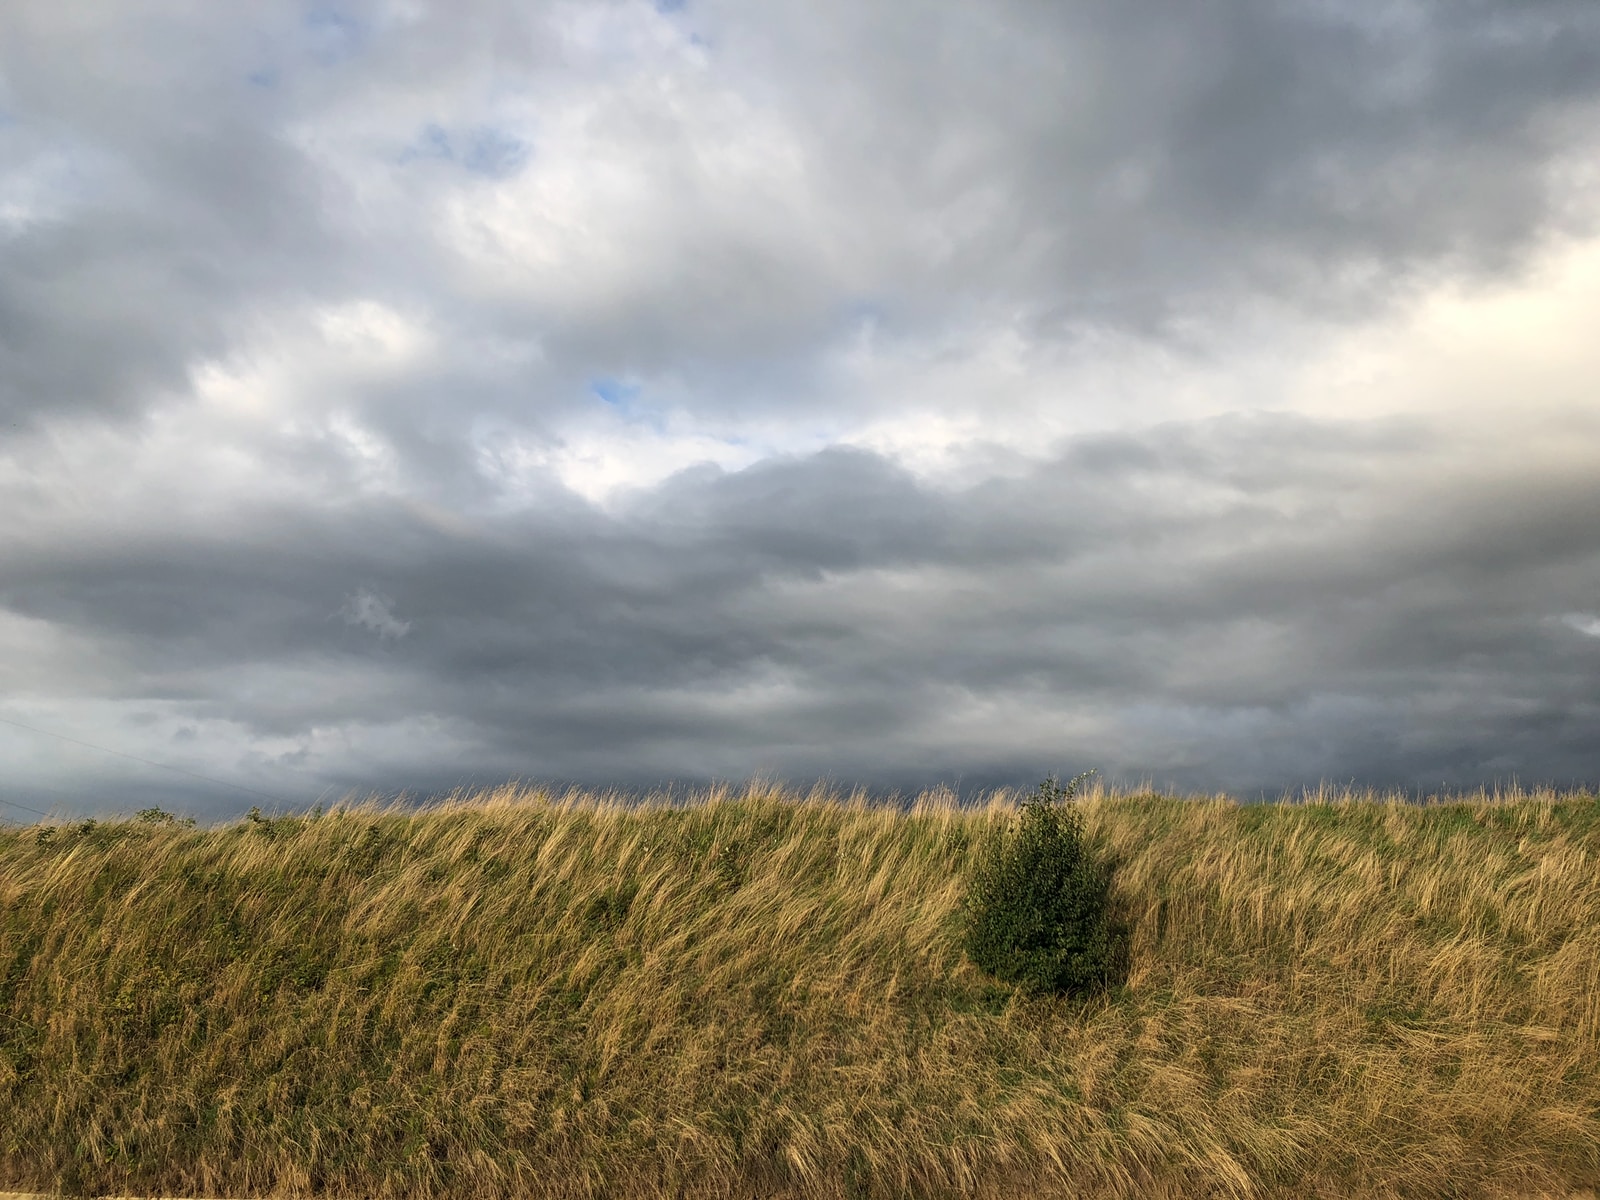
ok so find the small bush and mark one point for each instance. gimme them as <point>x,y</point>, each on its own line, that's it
<point>1037,906</point>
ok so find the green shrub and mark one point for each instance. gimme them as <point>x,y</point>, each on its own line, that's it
<point>1037,906</point>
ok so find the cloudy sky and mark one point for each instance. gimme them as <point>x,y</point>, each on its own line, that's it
<point>405,396</point>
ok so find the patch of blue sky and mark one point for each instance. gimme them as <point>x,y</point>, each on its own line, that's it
<point>860,312</point>
<point>432,142</point>
<point>494,152</point>
<point>266,78</point>
<point>485,150</point>
<point>617,393</point>
<point>624,398</point>
<point>674,8</point>
<point>333,34</point>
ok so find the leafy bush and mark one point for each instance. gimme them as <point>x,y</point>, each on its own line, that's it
<point>1037,906</point>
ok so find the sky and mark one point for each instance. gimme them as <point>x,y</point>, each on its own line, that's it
<point>401,397</point>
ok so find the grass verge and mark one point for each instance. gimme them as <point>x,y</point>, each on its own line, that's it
<point>761,993</point>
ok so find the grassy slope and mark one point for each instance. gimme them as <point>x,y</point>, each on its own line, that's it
<point>762,995</point>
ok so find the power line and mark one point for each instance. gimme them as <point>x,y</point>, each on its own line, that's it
<point>22,807</point>
<point>146,761</point>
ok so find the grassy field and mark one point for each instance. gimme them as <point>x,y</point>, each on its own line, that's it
<point>764,994</point>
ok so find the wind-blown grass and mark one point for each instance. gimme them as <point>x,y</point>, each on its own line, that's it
<point>764,994</point>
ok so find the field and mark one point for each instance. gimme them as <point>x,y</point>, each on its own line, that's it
<point>759,993</point>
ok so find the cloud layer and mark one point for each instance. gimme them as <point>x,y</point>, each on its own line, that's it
<point>397,397</point>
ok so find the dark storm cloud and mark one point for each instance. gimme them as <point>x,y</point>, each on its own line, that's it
<point>1182,604</point>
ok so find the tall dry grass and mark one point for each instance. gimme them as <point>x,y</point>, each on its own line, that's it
<point>764,994</point>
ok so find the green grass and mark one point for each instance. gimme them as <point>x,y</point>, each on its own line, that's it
<point>765,994</point>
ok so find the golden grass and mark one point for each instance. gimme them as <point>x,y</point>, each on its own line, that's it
<point>762,993</point>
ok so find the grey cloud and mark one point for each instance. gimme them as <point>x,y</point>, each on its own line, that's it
<point>1250,601</point>
<point>183,215</point>
<point>1093,163</point>
<point>830,616</point>
<point>109,308</point>
<point>1114,162</point>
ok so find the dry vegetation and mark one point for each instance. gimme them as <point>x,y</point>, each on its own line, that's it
<point>764,994</point>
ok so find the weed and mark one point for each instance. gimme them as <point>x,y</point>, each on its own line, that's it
<point>1038,909</point>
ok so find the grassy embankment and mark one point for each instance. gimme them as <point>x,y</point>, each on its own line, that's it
<point>762,994</point>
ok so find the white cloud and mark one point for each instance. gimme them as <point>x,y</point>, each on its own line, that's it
<point>1585,623</point>
<point>372,611</point>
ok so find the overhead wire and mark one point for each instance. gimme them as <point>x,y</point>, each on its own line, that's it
<point>23,807</point>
